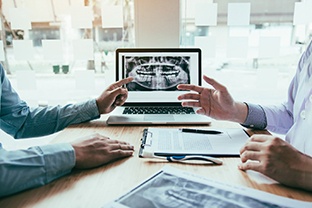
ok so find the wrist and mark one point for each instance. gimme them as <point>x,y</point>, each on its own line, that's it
<point>97,102</point>
<point>240,112</point>
<point>303,168</point>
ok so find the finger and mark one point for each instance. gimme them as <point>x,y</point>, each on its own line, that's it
<point>113,141</point>
<point>201,111</point>
<point>254,146</point>
<point>120,83</point>
<point>119,101</point>
<point>121,147</point>
<point>250,155</point>
<point>190,87</point>
<point>214,83</point>
<point>250,165</point>
<point>122,97</point>
<point>190,104</point>
<point>259,138</point>
<point>189,96</point>
<point>125,147</point>
<point>121,153</point>
<point>119,92</point>
<point>114,147</point>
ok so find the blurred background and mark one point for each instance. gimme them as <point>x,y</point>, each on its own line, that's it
<point>62,51</point>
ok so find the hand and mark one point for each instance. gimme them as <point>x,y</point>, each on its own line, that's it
<point>113,96</point>
<point>277,159</point>
<point>216,103</point>
<point>98,150</point>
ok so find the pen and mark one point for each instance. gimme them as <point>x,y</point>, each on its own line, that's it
<point>200,131</point>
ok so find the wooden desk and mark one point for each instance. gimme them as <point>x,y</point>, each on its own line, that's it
<point>95,187</point>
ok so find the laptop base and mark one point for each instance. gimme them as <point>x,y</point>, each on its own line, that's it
<point>158,119</point>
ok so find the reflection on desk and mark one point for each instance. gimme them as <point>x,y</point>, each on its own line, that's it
<point>95,187</point>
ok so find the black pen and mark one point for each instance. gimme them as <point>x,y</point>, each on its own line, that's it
<point>200,131</point>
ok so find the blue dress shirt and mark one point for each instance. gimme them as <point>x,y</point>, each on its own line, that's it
<point>36,166</point>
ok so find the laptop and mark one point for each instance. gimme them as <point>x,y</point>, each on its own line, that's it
<point>152,95</point>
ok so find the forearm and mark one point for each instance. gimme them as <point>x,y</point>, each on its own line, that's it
<point>274,118</point>
<point>36,166</point>
<point>279,118</point>
<point>48,120</point>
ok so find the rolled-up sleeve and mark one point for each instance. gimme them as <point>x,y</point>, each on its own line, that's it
<point>256,117</point>
<point>274,118</point>
<point>36,166</point>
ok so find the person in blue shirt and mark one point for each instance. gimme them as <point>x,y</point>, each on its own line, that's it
<point>39,165</point>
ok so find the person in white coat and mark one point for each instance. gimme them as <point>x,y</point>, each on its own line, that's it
<point>287,161</point>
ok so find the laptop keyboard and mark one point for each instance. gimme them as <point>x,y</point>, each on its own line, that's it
<point>158,110</point>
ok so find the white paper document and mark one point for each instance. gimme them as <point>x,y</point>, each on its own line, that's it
<point>172,187</point>
<point>174,141</point>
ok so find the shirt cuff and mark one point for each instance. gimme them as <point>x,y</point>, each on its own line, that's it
<point>256,118</point>
<point>59,160</point>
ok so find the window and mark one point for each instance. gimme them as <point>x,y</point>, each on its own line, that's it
<point>250,46</point>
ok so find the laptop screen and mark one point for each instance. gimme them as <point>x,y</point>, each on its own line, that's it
<point>157,72</point>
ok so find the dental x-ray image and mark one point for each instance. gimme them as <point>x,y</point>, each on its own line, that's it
<point>166,190</point>
<point>174,188</point>
<point>157,73</point>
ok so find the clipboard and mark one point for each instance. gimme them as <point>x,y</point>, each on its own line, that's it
<point>143,142</point>
<point>174,141</point>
